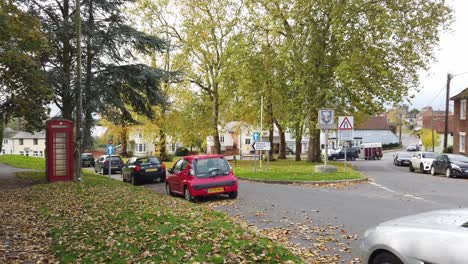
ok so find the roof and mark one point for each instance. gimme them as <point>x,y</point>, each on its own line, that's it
<point>192,157</point>
<point>36,135</point>
<point>438,122</point>
<point>462,95</point>
<point>378,135</point>
<point>373,123</point>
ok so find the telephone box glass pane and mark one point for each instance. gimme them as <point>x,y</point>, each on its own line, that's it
<point>60,154</point>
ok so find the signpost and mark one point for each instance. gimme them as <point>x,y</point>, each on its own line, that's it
<point>345,129</point>
<point>110,150</point>
<point>261,146</point>
<point>326,120</point>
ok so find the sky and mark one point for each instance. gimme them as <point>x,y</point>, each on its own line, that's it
<point>452,57</point>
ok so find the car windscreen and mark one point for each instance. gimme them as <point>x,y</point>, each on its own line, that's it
<point>429,155</point>
<point>458,158</point>
<point>211,167</point>
<point>113,158</point>
<point>403,155</point>
<point>87,156</point>
<point>148,160</point>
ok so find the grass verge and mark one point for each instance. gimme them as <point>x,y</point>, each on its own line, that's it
<point>290,170</point>
<point>105,221</point>
<point>26,162</point>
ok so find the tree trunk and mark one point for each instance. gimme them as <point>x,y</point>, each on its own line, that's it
<point>298,134</point>
<point>1,131</point>
<point>123,139</point>
<point>314,146</point>
<point>162,144</point>
<point>217,144</point>
<point>67,97</point>
<point>282,146</point>
<point>88,94</point>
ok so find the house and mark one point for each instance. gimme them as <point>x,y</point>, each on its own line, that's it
<point>460,123</point>
<point>144,146</point>
<point>372,129</point>
<point>23,143</point>
<point>437,123</point>
<point>236,139</point>
<point>425,113</point>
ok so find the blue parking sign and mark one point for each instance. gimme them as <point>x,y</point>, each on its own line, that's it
<point>256,136</point>
<point>110,149</point>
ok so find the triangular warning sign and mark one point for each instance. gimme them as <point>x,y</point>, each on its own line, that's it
<point>345,124</point>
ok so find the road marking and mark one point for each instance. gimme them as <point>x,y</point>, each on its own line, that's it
<point>395,192</point>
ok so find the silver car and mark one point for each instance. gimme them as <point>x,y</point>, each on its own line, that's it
<point>434,237</point>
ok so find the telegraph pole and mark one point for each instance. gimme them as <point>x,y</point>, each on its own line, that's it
<point>78,94</point>
<point>449,77</point>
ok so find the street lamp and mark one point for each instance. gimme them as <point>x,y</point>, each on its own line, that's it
<point>447,98</point>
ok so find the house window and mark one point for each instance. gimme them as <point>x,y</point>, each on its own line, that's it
<point>5,141</point>
<point>140,147</point>
<point>35,141</point>
<point>35,154</point>
<point>40,153</point>
<point>21,141</point>
<point>139,135</point>
<point>221,138</point>
<point>463,110</point>
<point>462,142</point>
<point>247,141</point>
<point>27,153</point>
<point>173,147</point>
<point>21,153</point>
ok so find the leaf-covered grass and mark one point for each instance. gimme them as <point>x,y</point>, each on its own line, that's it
<point>35,176</point>
<point>26,162</point>
<point>293,171</point>
<point>102,220</point>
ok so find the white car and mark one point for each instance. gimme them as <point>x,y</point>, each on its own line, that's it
<point>422,161</point>
<point>433,237</point>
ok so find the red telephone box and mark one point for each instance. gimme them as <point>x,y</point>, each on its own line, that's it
<point>59,149</point>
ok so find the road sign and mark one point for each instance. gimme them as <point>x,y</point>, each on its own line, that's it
<point>261,145</point>
<point>110,149</point>
<point>256,136</point>
<point>345,123</point>
<point>326,119</point>
<point>346,134</point>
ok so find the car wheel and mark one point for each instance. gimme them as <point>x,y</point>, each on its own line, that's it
<point>386,258</point>
<point>188,196</point>
<point>121,175</point>
<point>162,179</point>
<point>433,171</point>
<point>411,169</point>
<point>421,168</point>
<point>233,195</point>
<point>102,170</point>
<point>334,158</point>
<point>353,158</point>
<point>134,180</point>
<point>448,173</point>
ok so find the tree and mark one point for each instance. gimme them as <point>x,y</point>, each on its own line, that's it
<point>426,138</point>
<point>112,80</point>
<point>24,92</point>
<point>357,55</point>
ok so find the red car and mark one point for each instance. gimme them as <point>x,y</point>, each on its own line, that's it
<point>201,175</point>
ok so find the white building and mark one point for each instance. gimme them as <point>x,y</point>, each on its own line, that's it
<point>145,147</point>
<point>23,143</point>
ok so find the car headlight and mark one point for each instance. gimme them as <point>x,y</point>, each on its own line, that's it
<point>455,166</point>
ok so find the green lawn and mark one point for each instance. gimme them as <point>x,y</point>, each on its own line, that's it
<point>106,221</point>
<point>292,170</point>
<point>26,162</point>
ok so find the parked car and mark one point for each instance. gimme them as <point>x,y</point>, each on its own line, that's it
<point>452,165</point>
<point>87,160</point>
<point>351,154</point>
<point>102,164</point>
<point>432,237</point>
<point>137,170</point>
<point>202,175</point>
<point>402,159</point>
<point>422,161</point>
<point>412,147</point>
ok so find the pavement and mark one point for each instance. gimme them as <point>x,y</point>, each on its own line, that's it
<point>8,179</point>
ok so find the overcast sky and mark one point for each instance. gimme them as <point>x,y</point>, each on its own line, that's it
<point>452,57</point>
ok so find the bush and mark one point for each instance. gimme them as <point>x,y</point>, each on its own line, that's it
<point>129,153</point>
<point>181,151</point>
<point>167,158</point>
<point>448,149</point>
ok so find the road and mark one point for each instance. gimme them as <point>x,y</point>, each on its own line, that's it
<point>328,217</point>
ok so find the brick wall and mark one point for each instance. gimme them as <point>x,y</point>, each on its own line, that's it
<point>459,126</point>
